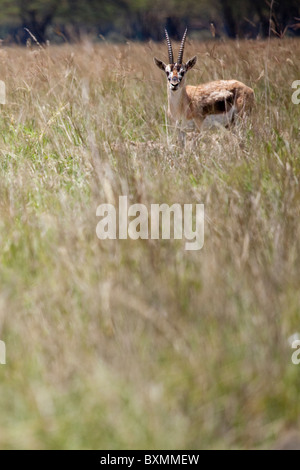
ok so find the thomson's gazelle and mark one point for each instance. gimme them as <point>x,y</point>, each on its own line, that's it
<point>223,100</point>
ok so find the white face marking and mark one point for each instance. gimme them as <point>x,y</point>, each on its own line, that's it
<point>175,74</point>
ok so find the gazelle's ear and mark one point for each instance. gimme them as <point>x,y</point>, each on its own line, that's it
<point>160,64</point>
<point>190,63</point>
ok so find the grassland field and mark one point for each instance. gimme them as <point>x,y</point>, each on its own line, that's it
<point>140,344</point>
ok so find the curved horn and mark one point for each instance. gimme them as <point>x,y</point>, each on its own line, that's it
<point>180,55</point>
<point>170,50</point>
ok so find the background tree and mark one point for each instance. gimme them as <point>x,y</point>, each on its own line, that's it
<point>144,19</point>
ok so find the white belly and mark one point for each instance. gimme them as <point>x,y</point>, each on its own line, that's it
<point>215,120</point>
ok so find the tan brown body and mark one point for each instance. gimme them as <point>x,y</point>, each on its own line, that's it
<point>222,97</point>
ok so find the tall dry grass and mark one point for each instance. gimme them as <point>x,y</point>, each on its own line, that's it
<point>140,344</point>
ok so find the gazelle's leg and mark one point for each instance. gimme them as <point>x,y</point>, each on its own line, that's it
<point>171,127</point>
<point>231,117</point>
<point>181,136</point>
<point>198,122</point>
<point>180,133</point>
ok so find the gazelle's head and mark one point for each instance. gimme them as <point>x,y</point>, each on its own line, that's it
<point>175,71</point>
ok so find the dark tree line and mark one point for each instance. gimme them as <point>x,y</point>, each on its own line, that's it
<point>119,20</point>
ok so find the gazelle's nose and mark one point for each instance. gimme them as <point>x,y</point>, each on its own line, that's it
<point>174,80</point>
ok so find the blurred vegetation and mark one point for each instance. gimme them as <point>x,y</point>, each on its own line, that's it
<point>140,344</point>
<point>118,20</point>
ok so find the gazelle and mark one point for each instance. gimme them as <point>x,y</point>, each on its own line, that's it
<point>223,100</point>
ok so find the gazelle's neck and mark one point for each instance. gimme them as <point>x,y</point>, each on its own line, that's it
<point>177,102</point>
